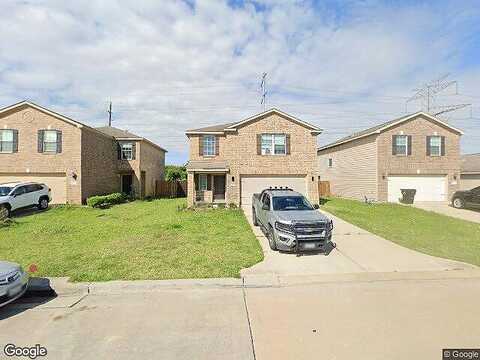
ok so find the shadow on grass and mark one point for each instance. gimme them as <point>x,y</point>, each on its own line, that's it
<point>323,201</point>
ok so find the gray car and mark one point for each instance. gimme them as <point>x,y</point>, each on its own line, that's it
<point>13,282</point>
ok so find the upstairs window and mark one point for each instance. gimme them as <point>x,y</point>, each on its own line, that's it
<point>330,162</point>
<point>273,144</point>
<point>8,141</point>
<point>400,145</point>
<point>127,151</point>
<point>435,145</point>
<point>49,141</point>
<point>208,145</point>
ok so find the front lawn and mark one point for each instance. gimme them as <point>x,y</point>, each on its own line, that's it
<point>138,240</point>
<point>417,229</point>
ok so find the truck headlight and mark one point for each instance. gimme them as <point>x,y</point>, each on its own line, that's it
<point>284,227</point>
<point>330,225</point>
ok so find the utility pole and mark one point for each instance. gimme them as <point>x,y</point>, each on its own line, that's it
<point>427,94</point>
<point>263,87</point>
<point>109,111</point>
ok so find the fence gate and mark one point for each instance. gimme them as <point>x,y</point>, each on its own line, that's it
<point>324,188</point>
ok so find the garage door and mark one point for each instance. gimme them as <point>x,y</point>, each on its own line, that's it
<point>429,188</point>
<point>56,182</point>
<point>469,181</point>
<point>255,184</point>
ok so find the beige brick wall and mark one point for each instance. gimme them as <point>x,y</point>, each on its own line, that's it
<point>152,161</point>
<point>99,164</point>
<point>354,170</point>
<point>418,163</point>
<point>28,121</point>
<point>240,151</point>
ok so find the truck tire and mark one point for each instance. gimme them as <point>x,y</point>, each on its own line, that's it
<point>271,238</point>
<point>254,217</point>
<point>43,203</point>
<point>458,203</point>
<point>6,207</point>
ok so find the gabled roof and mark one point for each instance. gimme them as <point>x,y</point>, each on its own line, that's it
<point>470,164</point>
<point>377,129</point>
<point>222,128</point>
<point>121,134</point>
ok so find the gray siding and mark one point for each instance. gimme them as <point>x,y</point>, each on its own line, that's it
<point>469,181</point>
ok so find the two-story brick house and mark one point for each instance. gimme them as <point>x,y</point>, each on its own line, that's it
<point>417,151</point>
<point>75,160</point>
<point>230,162</point>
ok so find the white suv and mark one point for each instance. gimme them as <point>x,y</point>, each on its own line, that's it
<point>14,196</point>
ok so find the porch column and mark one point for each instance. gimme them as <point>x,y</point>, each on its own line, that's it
<point>190,189</point>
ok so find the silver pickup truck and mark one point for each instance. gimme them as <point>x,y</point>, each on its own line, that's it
<point>290,222</point>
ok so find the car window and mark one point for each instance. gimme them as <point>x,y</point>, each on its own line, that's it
<point>33,187</point>
<point>476,190</point>
<point>5,190</point>
<point>284,203</point>
<point>20,190</point>
<point>266,200</point>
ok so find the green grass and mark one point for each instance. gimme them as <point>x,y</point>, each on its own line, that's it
<point>138,240</point>
<point>420,230</point>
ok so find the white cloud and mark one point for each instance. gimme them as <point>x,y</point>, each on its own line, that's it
<point>169,66</point>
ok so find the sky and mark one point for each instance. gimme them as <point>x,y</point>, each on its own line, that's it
<point>172,65</point>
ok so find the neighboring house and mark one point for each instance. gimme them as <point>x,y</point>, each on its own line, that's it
<point>470,171</point>
<point>141,163</point>
<point>417,151</point>
<point>230,162</point>
<point>76,161</point>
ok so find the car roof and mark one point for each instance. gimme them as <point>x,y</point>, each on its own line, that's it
<point>13,184</point>
<point>284,193</point>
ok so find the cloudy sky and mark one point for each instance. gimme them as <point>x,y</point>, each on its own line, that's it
<point>172,65</point>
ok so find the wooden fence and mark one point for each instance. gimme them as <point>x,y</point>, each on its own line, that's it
<point>324,189</point>
<point>171,189</point>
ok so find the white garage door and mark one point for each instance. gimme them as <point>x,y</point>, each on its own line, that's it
<point>255,184</point>
<point>56,182</point>
<point>429,188</point>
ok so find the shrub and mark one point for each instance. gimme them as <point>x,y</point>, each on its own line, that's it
<point>102,201</point>
<point>174,173</point>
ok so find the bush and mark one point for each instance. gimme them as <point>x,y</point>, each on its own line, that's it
<point>102,201</point>
<point>175,173</point>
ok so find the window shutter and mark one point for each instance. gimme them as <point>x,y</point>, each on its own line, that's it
<point>40,141</point>
<point>394,143</point>
<point>287,144</point>
<point>59,141</point>
<point>217,145</point>
<point>428,146</point>
<point>443,145</point>
<point>200,145</point>
<point>119,151</point>
<point>259,144</point>
<point>197,185</point>
<point>15,140</point>
<point>134,150</point>
<point>209,182</point>
<point>409,145</point>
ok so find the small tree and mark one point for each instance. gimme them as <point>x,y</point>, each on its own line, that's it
<point>175,173</point>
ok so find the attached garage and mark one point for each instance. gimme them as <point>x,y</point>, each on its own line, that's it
<point>56,182</point>
<point>254,184</point>
<point>429,188</point>
<point>469,181</point>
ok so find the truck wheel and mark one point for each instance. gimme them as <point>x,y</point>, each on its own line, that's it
<point>254,217</point>
<point>271,239</point>
<point>7,209</point>
<point>458,203</point>
<point>42,204</point>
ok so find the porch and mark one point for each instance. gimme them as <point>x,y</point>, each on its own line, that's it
<point>208,180</point>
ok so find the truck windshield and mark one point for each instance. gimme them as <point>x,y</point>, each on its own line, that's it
<point>285,203</point>
<point>4,190</point>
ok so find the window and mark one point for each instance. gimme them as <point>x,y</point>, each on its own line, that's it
<point>127,151</point>
<point>202,182</point>
<point>19,191</point>
<point>435,146</point>
<point>6,141</point>
<point>401,145</point>
<point>266,200</point>
<point>50,141</point>
<point>33,188</point>
<point>285,203</point>
<point>273,144</point>
<point>330,162</point>
<point>209,145</point>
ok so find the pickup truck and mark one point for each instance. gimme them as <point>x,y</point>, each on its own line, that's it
<point>290,222</point>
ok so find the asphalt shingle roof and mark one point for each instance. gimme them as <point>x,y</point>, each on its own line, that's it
<point>117,133</point>
<point>470,163</point>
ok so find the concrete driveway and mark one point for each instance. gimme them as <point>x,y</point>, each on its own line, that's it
<point>445,209</point>
<point>357,251</point>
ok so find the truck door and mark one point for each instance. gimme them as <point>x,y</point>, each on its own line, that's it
<point>265,208</point>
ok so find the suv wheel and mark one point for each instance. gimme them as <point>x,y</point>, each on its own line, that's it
<point>254,217</point>
<point>43,204</point>
<point>458,203</point>
<point>271,239</point>
<point>6,208</point>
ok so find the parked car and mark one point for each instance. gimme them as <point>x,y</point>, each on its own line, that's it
<point>290,222</point>
<point>466,198</point>
<point>13,282</point>
<point>14,196</point>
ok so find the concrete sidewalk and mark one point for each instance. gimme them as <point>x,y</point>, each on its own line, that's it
<point>472,215</point>
<point>357,251</point>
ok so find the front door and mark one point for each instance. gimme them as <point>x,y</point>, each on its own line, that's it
<point>219,187</point>
<point>127,182</point>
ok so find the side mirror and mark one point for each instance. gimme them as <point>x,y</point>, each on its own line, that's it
<point>265,207</point>
<point>315,206</point>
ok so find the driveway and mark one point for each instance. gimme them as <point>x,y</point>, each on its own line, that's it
<point>357,251</point>
<point>446,209</point>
